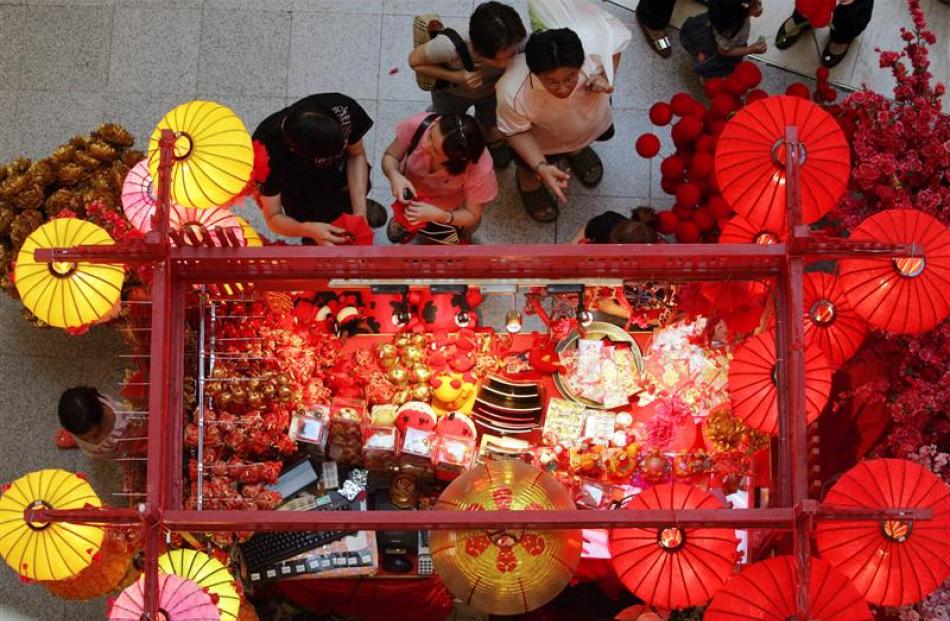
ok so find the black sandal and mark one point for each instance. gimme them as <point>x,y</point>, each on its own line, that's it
<point>539,204</point>
<point>661,45</point>
<point>830,60</point>
<point>588,167</point>
<point>500,154</point>
<point>784,40</point>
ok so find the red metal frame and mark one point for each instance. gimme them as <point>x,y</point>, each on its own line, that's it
<point>296,267</point>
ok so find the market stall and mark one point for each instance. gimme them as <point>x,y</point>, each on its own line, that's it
<point>319,415</point>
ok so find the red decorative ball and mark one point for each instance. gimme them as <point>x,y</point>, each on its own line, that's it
<point>716,127</point>
<point>755,95</point>
<point>685,156</point>
<point>822,74</point>
<point>701,166</point>
<point>670,184</point>
<point>667,222</point>
<point>827,93</point>
<point>797,89</point>
<point>661,113</point>
<point>684,213</point>
<point>687,232</point>
<point>648,145</point>
<point>704,219</point>
<point>672,166</point>
<point>682,104</point>
<point>699,110</point>
<point>687,195</point>
<point>706,143</point>
<point>817,12</point>
<point>718,207</point>
<point>714,86</point>
<point>748,73</point>
<point>686,130</point>
<point>414,298</point>
<point>722,105</point>
<point>735,86</point>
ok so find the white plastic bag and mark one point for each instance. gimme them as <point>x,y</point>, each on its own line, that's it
<point>601,33</point>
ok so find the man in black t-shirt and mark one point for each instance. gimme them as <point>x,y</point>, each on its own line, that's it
<point>318,168</point>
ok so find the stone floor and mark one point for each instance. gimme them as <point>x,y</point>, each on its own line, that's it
<point>67,65</point>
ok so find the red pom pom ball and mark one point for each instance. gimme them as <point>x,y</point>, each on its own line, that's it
<point>704,220</point>
<point>735,86</point>
<point>755,95</point>
<point>648,145</point>
<point>718,207</point>
<point>687,130</point>
<point>714,86</point>
<point>706,143</point>
<point>687,195</point>
<point>667,222</point>
<point>748,73</point>
<point>797,89</point>
<point>661,113</point>
<point>672,166</point>
<point>687,232</point>
<point>701,166</point>
<point>722,105</point>
<point>682,104</point>
<point>670,184</point>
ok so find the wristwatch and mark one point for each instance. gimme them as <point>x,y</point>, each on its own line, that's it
<point>451,218</point>
<point>537,167</point>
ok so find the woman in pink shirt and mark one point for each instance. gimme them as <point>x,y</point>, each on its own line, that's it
<point>440,170</point>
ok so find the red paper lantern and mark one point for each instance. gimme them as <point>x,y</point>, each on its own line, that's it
<point>648,145</point>
<point>714,86</point>
<point>739,231</point>
<point>902,295</point>
<point>797,89</point>
<point>661,113</point>
<point>701,166</point>
<point>748,73</point>
<point>668,222</point>
<point>750,161</point>
<point>890,562</point>
<point>755,95</point>
<point>672,166</point>
<point>687,232</point>
<point>686,130</point>
<point>753,388</point>
<point>687,195</point>
<point>766,591</point>
<point>682,104</point>
<point>829,319</point>
<point>670,566</point>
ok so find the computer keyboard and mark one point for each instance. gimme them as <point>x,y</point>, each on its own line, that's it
<point>312,564</point>
<point>265,549</point>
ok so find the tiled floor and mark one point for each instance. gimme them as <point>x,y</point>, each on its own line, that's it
<point>67,65</point>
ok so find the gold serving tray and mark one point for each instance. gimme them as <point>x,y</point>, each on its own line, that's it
<point>596,330</point>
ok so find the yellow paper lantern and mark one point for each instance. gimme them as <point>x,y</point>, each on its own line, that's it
<point>252,238</point>
<point>67,294</point>
<point>208,573</point>
<point>213,156</point>
<point>506,571</point>
<point>47,550</point>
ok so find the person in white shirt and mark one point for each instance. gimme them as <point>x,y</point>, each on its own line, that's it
<point>553,103</point>
<point>99,426</point>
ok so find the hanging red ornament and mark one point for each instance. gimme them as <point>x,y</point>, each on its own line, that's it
<point>817,12</point>
<point>668,221</point>
<point>718,207</point>
<point>682,104</point>
<point>686,130</point>
<point>661,113</point>
<point>648,145</point>
<point>748,73</point>
<point>704,219</point>
<point>687,232</point>
<point>829,319</point>
<point>723,104</point>
<point>687,195</point>
<point>672,167</point>
<point>670,184</point>
<point>714,86</point>
<point>701,166</point>
<point>735,86</point>
<point>755,95</point>
<point>797,89</point>
<point>706,143</point>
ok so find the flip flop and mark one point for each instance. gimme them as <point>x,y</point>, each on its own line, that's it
<point>588,167</point>
<point>539,204</point>
<point>830,60</point>
<point>661,45</point>
<point>784,40</point>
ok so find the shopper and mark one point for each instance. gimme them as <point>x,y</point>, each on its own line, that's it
<point>849,20</point>
<point>495,35</point>
<point>718,40</point>
<point>553,103</point>
<point>100,428</point>
<point>318,168</point>
<point>611,227</point>
<point>653,16</point>
<point>442,174</point>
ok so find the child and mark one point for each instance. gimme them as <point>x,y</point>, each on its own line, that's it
<point>718,40</point>
<point>613,228</point>
<point>96,422</point>
<point>495,34</point>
